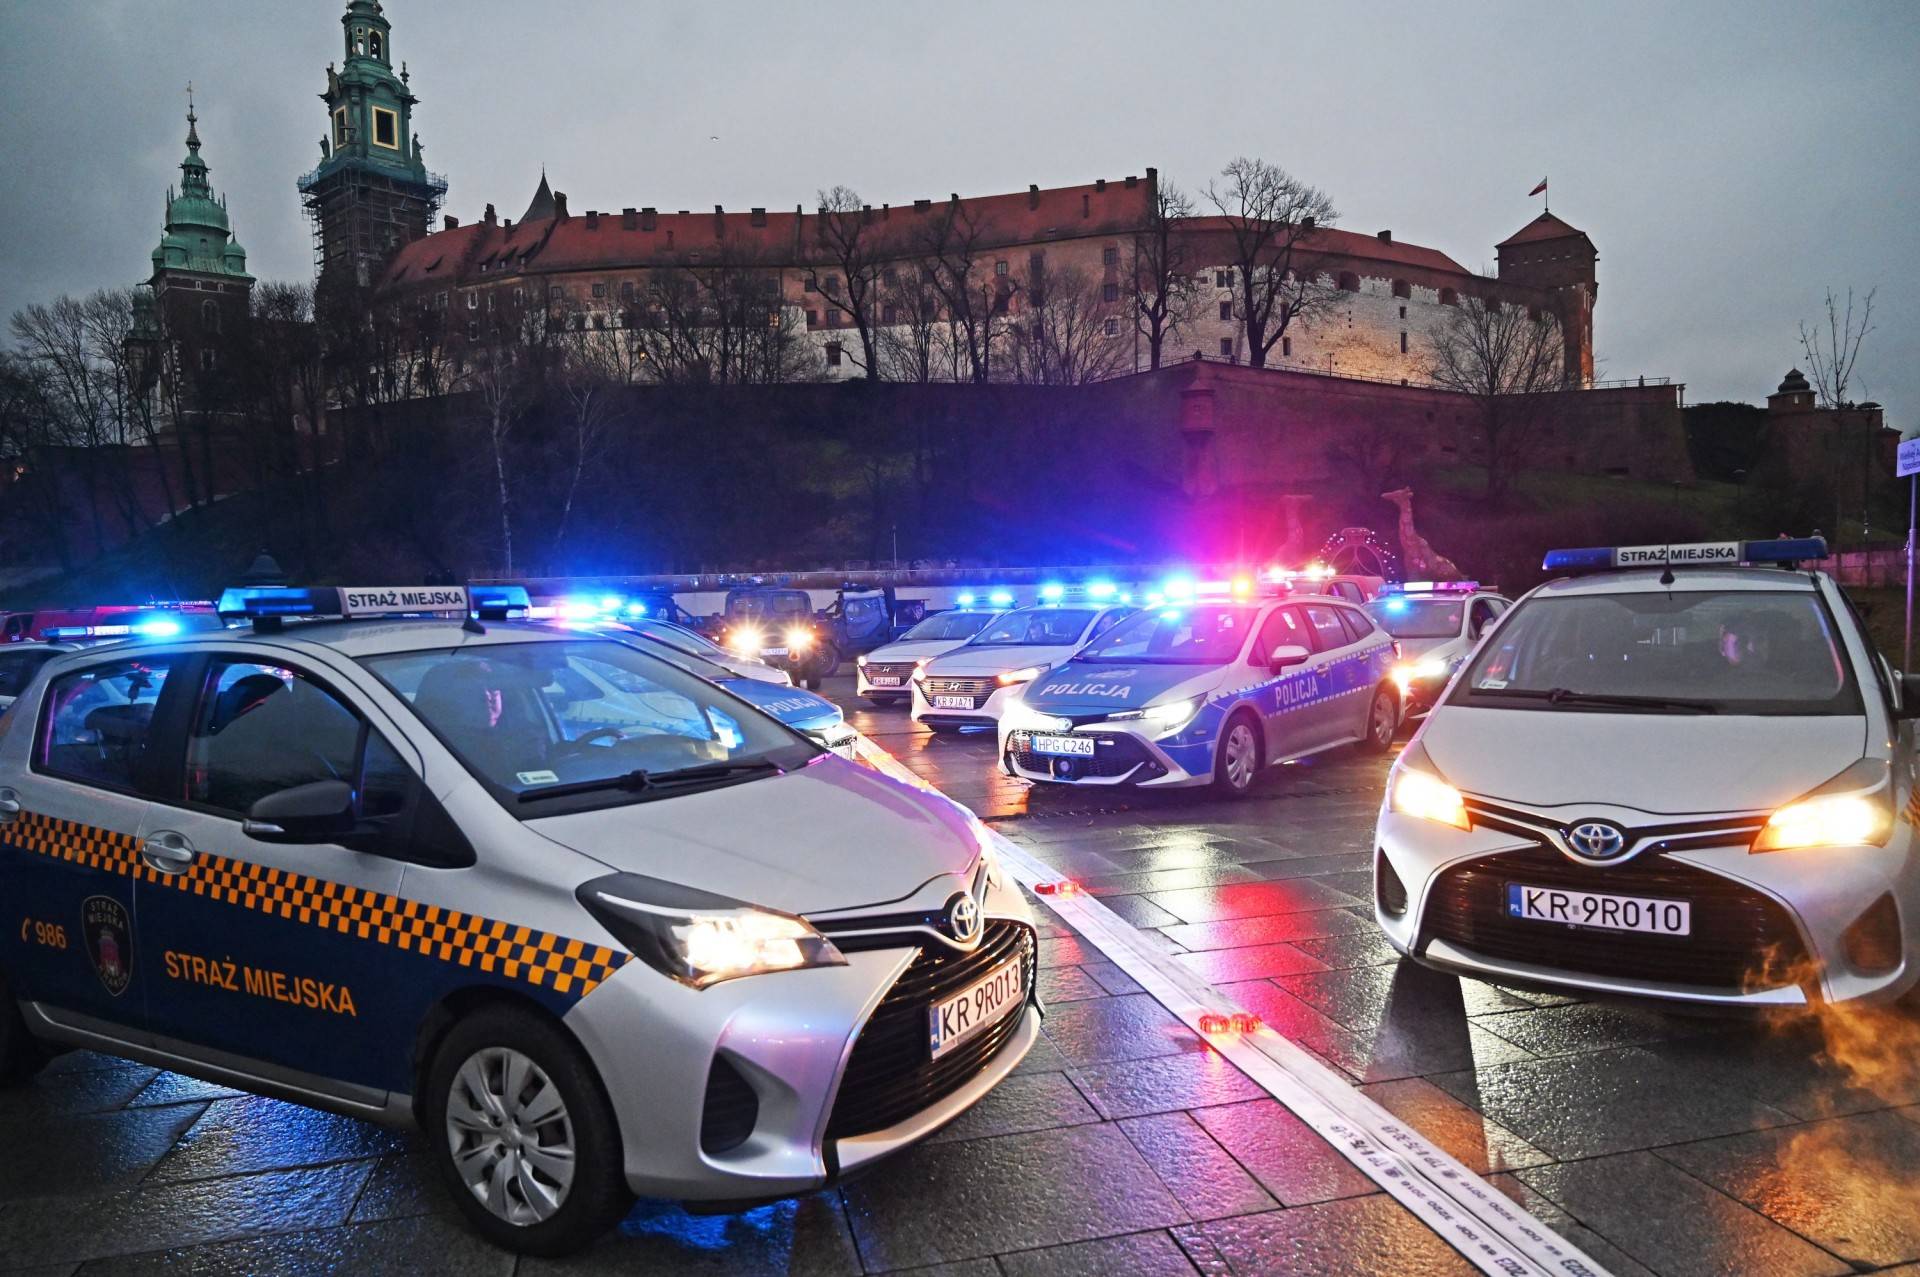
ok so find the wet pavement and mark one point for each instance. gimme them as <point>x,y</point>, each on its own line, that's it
<point>1123,1145</point>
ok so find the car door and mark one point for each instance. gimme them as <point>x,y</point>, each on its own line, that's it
<point>1285,697</point>
<point>1334,717</point>
<point>266,950</point>
<point>73,800</point>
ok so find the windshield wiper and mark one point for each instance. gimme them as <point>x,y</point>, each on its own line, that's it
<point>1567,696</point>
<point>644,781</point>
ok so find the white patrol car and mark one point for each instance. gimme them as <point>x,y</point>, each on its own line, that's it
<point>969,686</point>
<point>885,675</point>
<point>1678,777</point>
<point>19,662</point>
<point>696,644</point>
<point>596,926</point>
<point>1206,692</point>
<point>1435,624</point>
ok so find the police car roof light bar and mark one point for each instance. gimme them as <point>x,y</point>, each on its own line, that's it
<point>1430,587</point>
<point>1786,551</point>
<point>267,606</point>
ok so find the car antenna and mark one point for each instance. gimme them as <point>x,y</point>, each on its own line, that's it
<point>1666,569</point>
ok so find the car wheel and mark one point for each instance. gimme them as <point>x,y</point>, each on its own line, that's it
<point>1383,721</point>
<point>1236,761</point>
<point>829,662</point>
<point>21,1056</point>
<point>523,1134</point>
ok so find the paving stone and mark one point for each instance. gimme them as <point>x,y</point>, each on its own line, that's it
<point>1066,951</point>
<point>1112,978</point>
<point>1023,1102</point>
<point>1572,1231</point>
<point>1792,1067</point>
<point>69,1091</point>
<point>178,1088</point>
<point>1201,1174</point>
<point>253,1133</point>
<point>1164,1083</point>
<point>946,1202</point>
<point>1411,1045</point>
<point>1068,984</point>
<point>1045,1057</point>
<point>1139,911</point>
<point>1481,1144</point>
<point>1849,1184</point>
<point>965,1268</point>
<point>1362,1236</point>
<point>1256,962</point>
<point>1366,998</point>
<point>1606,1102</point>
<point>1358,948</point>
<point>1312,866</point>
<point>1128,1028</point>
<point>1136,1255</point>
<point>1249,900</point>
<point>1673,1223</point>
<point>1169,881</point>
<point>798,1237</point>
<point>1479,998</point>
<point>1282,1152</point>
<point>1175,852</point>
<point>427,1245</point>
<point>1288,927</point>
<point>1592,1026</point>
<point>403,1184</point>
<point>94,1152</point>
<point>43,1230</point>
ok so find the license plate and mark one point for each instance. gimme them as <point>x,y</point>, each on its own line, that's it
<point>885,680</point>
<point>773,651</point>
<point>953,702</point>
<point>982,1003</point>
<point>1075,746</point>
<point>1593,909</point>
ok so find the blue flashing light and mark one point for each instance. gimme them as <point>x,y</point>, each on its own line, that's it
<point>1001,598</point>
<point>1171,614</point>
<point>1101,589</point>
<point>610,602</point>
<point>1178,587</point>
<point>278,600</point>
<point>1785,550</point>
<point>157,629</point>
<point>1126,596</point>
<point>964,600</point>
<point>1051,592</point>
<point>1395,605</point>
<point>495,602</point>
<point>636,609</point>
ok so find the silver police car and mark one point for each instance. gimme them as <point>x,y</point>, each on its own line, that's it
<point>595,925</point>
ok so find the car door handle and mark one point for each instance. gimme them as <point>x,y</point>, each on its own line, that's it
<point>9,805</point>
<point>169,853</point>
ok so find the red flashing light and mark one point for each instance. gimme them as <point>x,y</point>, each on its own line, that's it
<point>1216,1025</point>
<point>1060,887</point>
<point>1244,1023</point>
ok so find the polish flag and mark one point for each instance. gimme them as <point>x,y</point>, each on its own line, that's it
<point>1540,188</point>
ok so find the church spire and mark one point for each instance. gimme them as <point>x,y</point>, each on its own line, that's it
<point>193,169</point>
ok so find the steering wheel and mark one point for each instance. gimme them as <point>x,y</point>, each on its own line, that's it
<point>577,744</point>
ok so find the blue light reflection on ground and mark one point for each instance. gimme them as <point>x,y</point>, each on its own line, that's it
<point>669,1220</point>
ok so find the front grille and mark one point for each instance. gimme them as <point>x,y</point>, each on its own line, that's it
<point>1114,755</point>
<point>890,1075</point>
<point>1741,940</point>
<point>876,669</point>
<point>962,686</point>
<point>1388,890</point>
<point>731,1109</point>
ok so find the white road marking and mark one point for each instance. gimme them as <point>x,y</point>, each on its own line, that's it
<point>1469,1214</point>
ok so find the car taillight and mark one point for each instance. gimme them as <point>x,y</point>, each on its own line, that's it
<point>1397,653</point>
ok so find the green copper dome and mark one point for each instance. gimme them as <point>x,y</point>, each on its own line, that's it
<point>199,236</point>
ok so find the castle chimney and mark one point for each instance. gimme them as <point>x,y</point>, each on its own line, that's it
<point>559,206</point>
<point>648,219</point>
<point>886,212</point>
<point>1133,180</point>
<point>593,219</point>
<point>489,217</point>
<point>1153,174</point>
<point>1385,237</point>
<point>719,222</point>
<point>1099,184</point>
<point>1307,223</point>
<point>759,217</point>
<point>629,218</point>
<point>453,223</point>
<point>1033,197</point>
<point>921,206</point>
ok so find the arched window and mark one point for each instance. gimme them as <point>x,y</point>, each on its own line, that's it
<point>1349,282</point>
<point>1448,297</point>
<point>210,316</point>
<point>373,43</point>
<point>1401,288</point>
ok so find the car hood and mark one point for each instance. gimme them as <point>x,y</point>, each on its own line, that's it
<point>998,660</point>
<point>1657,763</point>
<point>917,650</point>
<point>1412,649</point>
<point>832,835</point>
<point>794,706</point>
<point>1079,686</point>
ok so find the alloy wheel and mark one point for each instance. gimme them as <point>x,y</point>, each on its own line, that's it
<point>511,1136</point>
<point>1241,756</point>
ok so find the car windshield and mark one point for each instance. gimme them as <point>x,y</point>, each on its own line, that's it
<point>948,625</point>
<point>552,726</point>
<point>1210,635</point>
<point>682,639</point>
<point>1035,627</point>
<point>18,666</point>
<point>698,666</point>
<point>1686,651</point>
<point>785,604</point>
<point>1418,618</point>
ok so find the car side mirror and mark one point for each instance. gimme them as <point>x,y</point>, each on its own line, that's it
<point>1909,697</point>
<point>1286,656</point>
<point>313,813</point>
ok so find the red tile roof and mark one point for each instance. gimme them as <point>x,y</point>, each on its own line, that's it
<point>1545,226</point>
<point>1338,243</point>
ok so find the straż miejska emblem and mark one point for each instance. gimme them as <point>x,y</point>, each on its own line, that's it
<point>109,934</point>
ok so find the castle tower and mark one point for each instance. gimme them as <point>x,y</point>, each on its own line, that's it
<point>1550,255</point>
<point>200,290</point>
<point>372,193</point>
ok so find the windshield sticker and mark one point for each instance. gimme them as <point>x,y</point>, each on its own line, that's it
<point>537,778</point>
<point>1492,684</point>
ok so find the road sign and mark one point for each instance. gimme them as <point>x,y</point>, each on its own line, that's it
<point>1909,458</point>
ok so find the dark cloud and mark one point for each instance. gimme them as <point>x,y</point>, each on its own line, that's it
<point>1729,160</point>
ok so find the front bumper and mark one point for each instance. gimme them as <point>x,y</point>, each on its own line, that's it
<point>837,736</point>
<point>1122,756</point>
<point>1771,929</point>
<point>864,676</point>
<point>983,710</point>
<point>681,1067</point>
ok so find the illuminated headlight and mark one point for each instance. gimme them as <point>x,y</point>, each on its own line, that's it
<point>798,639</point>
<point>1408,673</point>
<point>920,671</point>
<point>1013,678</point>
<point>861,660</point>
<point>1165,719</point>
<point>701,939</point>
<point>1020,716</point>
<point>747,641</point>
<point>1851,810</point>
<point>1415,789</point>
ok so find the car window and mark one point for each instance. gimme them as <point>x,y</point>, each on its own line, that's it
<point>948,625</point>
<point>259,729</point>
<point>98,722</point>
<point>1324,621</point>
<point>1196,635</point>
<point>1038,627</point>
<point>1358,626</point>
<point>1408,618</point>
<point>1480,617</point>
<point>1284,627</point>
<point>1107,622</point>
<point>19,665</point>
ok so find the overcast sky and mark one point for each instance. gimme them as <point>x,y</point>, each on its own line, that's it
<point>1730,161</point>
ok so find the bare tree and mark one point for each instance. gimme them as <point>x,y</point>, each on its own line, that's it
<point>1165,293</point>
<point>974,297</point>
<point>846,265</point>
<point>506,376</point>
<point>912,323</point>
<point>1064,337</point>
<point>1832,350</point>
<point>1271,217</point>
<point>1510,361</point>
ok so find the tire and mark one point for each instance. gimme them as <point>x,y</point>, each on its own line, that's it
<point>829,663</point>
<point>469,1069</point>
<point>1238,758</point>
<point>21,1056</point>
<point>1383,721</point>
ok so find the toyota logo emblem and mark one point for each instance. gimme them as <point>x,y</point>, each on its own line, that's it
<point>963,918</point>
<point>1597,840</point>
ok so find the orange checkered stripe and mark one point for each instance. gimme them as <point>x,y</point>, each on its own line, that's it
<point>538,958</point>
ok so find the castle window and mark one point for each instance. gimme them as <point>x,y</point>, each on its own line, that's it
<point>373,43</point>
<point>831,285</point>
<point>889,314</point>
<point>1449,298</point>
<point>340,127</point>
<point>1403,312</point>
<point>1349,282</point>
<point>210,316</point>
<point>1286,347</point>
<point>206,360</point>
<point>1403,343</point>
<point>833,354</point>
<point>1401,288</point>
<point>1226,310</point>
<point>386,128</point>
<point>599,290</point>
<point>473,330</point>
<point>1000,268</point>
<point>812,285</point>
<point>555,293</point>
<point>473,301</point>
<point>1111,327</point>
<point>1110,292</point>
<point>1109,256</point>
<point>1226,348</point>
<point>1223,279</point>
<point>599,322</point>
<point>813,319</point>
<point>626,290</point>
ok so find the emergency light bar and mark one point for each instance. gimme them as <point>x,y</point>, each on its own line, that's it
<point>1697,554</point>
<point>1430,587</point>
<point>143,629</point>
<point>277,602</point>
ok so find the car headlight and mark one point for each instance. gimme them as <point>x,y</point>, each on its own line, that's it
<point>1408,673</point>
<point>1022,717</point>
<point>747,640</point>
<point>798,639</point>
<point>1165,719</point>
<point>1854,809</point>
<point>1013,678</point>
<point>699,938</point>
<point>1416,790</point>
<point>861,660</point>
